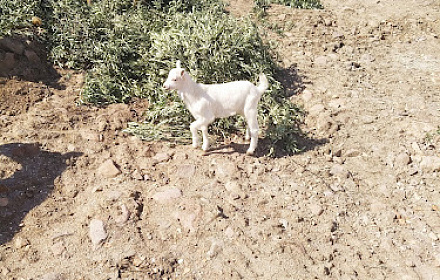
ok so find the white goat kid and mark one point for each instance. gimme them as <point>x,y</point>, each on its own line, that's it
<point>208,102</point>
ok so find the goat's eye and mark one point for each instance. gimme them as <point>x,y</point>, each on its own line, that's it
<point>174,80</point>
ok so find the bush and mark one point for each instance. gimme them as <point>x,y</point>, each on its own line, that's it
<point>128,47</point>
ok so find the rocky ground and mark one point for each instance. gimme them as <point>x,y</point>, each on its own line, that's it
<point>80,199</point>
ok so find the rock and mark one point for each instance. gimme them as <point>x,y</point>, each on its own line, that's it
<point>322,61</point>
<point>186,171</point>
<point>316,109</point>
<point>97,232</point>
<point>108,169</point>
<point>20,242</point>
<point>32,56</point>
<point>366,58</point>
<point>137,175</point>
<point>12,45</point>
<point>224,169</point>
<point>52,276</point>
<point>167,195</point>
<point>352,153</point>
<point>339,171</point>
<point>215,249</point>
<point>161,157</point>
<point>4,201</point>
<point>188,216</point>
<point>58,249</point>
<point>124,216</point>
<point>316,209</point>
<point>433,236</point>
<point>8,61</point>
<point>306,95</point>
<point>430,163</point>
<point>402,160</point>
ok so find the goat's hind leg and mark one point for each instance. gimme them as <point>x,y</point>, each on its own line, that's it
<point>252,130</point>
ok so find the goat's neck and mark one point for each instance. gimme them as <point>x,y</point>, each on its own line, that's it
<point>191,90</point>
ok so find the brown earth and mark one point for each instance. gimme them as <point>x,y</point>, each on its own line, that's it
<point>80,199</point>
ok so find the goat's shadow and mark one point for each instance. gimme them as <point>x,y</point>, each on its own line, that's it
<point>29,185</point>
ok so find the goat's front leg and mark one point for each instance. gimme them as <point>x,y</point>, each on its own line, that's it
<point>194,127</point>
<point>200,124</point>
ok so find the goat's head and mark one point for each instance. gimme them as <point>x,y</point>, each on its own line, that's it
<point>175,77</point>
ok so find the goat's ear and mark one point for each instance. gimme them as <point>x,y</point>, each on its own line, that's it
<point>178,64</point>
<point>182,71</point>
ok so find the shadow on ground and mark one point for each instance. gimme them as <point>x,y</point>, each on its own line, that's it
<point>30,185</point>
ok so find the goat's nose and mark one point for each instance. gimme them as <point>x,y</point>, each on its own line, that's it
<point>165,86</point>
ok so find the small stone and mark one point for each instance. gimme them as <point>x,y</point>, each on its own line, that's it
<point>58,249</point>
<point>124,216</point>
<point>137,175</point>
<point>4,201</point>
<point>52,276</point>
<point>186,171</point>
<point>306,95</point>
<point>108,169</point>
<point>20,242</point>
<point>230,233</point>
<point>316,209</point>
<point>215,249</point>
<point>97,232</point>
<point>402,160</point>
<point>167,195</point>
<point>433,236</point>
<point>352,153</point>
<point>316,109</point>
<point>339,171</point>
<point>161,157</point>
<point>430,163</point>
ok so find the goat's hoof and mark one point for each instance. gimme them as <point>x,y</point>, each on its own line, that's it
<point>250,153</point>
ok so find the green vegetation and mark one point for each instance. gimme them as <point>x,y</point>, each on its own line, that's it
<point>128,47</point>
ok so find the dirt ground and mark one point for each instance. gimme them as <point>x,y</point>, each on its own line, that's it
<point>80,199</point>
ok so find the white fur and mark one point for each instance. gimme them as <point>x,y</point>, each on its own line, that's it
<point>208,102</point>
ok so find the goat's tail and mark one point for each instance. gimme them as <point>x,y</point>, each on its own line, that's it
<point>263,84</point>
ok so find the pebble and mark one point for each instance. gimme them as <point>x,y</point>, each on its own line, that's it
<point>108,169</point>
<point>20,242</point>
<point>137,175</point>
<point>352,153</point>
<point>306,95</point>
<point>161,157</point>
<point>402,160</point>
<point>316,109</point>
<point>167,195</point>
<point>316,209</point>
<point>4,201</point>
<point>433,236</point>
<point>97,232</point>
<point>52,276</point>
<point>430,163</point>
<point>339,171</point>
<point>186,171</point>
<point>124,216</point>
